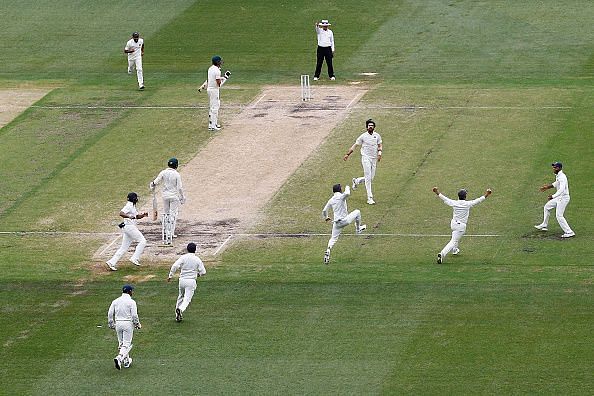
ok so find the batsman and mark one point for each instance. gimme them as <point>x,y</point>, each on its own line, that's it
<point>173,197</point>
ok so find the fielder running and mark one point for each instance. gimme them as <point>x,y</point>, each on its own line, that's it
<point>173,196</point>
<point>559,200</point>
<point>342,217</point>
<point>130,233</point>
<point>190,267</point>
<point>459,219</point>
<point>371,152</point>
<point>212,84</point>
<point>135,50</point>
<point>123,317</point>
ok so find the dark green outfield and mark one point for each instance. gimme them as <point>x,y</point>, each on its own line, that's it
<point>469,94</point>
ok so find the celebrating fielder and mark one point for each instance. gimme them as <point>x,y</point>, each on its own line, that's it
<point>130,233</point>
<point>123,317</point>
<point>371,152</point>
<point>559,200</point>
<point>342,217</point>
<point>459,219</point>
<point>173,196</point>
<point>190,267</point>
<point>135,50</point>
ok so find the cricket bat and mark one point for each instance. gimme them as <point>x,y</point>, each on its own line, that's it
<point>155,209</point>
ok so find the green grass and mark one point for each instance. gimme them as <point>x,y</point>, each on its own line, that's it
<point>495,91</point>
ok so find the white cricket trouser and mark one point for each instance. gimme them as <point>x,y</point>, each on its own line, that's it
<point>136,63</point>
<point>171,206</point>
<point>559,203</point>
<point>186,292</point>
<point>214,105</point>
<point>369,166</point>
<point>125,331</point>
<point>338,225</point>
<point>458,230</point>
<point>130,234</point>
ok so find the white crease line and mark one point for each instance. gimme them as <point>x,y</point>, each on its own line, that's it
<point>258,101</point>
<point>244,234</point>
<point>358,96</point>
<point>108,246</point>
<point>224,243</point>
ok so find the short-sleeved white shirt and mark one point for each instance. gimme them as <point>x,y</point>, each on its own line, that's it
<point>369,143</point>
<point>129,209</point>
<point>131,44</point>
<point>213,73</point>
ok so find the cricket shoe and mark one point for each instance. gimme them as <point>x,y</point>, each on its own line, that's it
<point>332,78</point>
<point>178,315</point>
<point>370,201</point>
<point>214,128</point>
<point>135,262</point>
<point>439,260</point>
<point>327,256</point>
<point>127,362</point>
<point>541,227</point>
<point>362,228</point>
<point>129,71</point>
<point>568,235</point>
<point>354,185</point>
<point>316,79</point>
<point>141,88</point>
<point>111,266</point>
<point>455,251</point>
<point>117,362</point>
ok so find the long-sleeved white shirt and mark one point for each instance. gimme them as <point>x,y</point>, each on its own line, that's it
<point>461,207</point>
<point>325,37</point>
<point>213,74</point>
<point>561,185</point>
<point>338,204</point>
<point>123,308</point>
<point>189,266</point>
<point>172,183</point>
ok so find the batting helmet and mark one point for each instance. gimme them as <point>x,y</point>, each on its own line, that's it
<point>133,197</point>
<point>135,35</point>
<point>127,289</point>
<point>173,163</point>
<point>216,60</point>
<point>369,121</point>
<point>462,194</point>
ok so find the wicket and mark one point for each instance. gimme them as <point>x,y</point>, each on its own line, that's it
<point>305,88</point>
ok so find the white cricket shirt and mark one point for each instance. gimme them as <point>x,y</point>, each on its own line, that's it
<point>129,209</point>
<point>172,183</point>
<point>123,309</point>
<point>561,185</point>
<point>189,266</point>
<point>338,204</point>
<point>369,143</point>
<point>325,38</point>
<point>214,73</point>
<point>461,207</point>
<point>137,46</point>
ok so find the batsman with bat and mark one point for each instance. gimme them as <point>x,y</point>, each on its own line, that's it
<point>173,196</point>
<point>212,84</point>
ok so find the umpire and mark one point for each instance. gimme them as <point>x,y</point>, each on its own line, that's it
<point>325,49</point>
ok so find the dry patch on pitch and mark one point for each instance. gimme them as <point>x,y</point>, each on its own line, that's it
<point>237,173</point>
<point>14,101</point>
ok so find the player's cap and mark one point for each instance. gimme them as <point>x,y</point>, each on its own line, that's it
<point>216,59</point>
<point>324,22</point>
<point>132,197</point>
<point>557,165</point>
<point>173,163</point>
<point>135,34</point>
<point>191,247</point>
<point>127,288</point>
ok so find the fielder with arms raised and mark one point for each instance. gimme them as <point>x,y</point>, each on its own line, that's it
<point>461,211</point>
<point>123,317</point>
<point>190,267</point>
<point>342,217</point>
